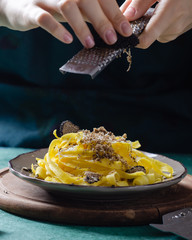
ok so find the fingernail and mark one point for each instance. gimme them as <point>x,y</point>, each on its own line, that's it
<point>67,38</point>
<point>111,36</point>
<point>89,42</point>
<point>130,12</point>
<point>126,28</point>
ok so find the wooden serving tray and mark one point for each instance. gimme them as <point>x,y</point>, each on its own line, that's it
<point>30,201</point>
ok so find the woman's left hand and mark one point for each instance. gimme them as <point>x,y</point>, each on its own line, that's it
<point>170,19</point>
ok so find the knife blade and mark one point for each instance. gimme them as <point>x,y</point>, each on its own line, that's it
<point>178,222</point>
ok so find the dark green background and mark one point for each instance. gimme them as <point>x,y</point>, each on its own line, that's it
<point>151,103</point>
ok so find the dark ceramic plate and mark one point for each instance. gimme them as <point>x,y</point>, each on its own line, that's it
<point>90,192</point>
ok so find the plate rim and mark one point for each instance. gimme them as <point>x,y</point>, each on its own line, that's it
<point>100,189</point>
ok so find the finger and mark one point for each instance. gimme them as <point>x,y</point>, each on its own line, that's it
<point>125,5</point>
<point>98,19</point>
<point>137,8</point>
<point>46,21</point>
<point>116,17</point>
<point>156,26</point>
<point>71,12</point>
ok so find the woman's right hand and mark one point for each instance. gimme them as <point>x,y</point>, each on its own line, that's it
<point>104,15</point>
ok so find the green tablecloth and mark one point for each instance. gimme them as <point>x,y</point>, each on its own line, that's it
<point>16,228</point>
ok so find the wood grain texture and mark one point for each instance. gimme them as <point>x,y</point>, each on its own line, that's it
<point>30,201</point>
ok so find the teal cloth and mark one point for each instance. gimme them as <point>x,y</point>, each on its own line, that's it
<point>18,228</point>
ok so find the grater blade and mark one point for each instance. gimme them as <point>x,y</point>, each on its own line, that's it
<point>93,61</point>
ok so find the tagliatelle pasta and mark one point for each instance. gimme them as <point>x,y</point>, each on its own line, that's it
<point>99,158</point>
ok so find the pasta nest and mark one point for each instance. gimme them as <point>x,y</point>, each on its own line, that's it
<point>99,158</point>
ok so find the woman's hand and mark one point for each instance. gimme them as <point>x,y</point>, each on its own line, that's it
<point>104,15</point>
<point>170,19</point>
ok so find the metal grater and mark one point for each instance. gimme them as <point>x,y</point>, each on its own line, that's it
<point>93,61</point>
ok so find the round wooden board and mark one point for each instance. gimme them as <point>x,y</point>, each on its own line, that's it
<point>27,200</point>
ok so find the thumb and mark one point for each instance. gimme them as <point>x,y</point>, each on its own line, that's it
<point>137,8</point>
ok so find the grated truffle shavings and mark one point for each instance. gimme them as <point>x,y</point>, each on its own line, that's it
<point>100,141</point>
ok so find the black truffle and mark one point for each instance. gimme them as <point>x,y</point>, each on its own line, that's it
<point>67,127</point>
